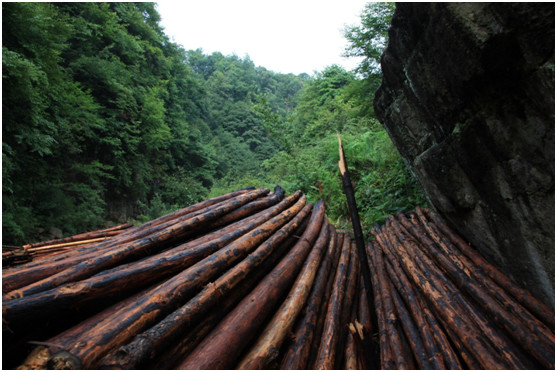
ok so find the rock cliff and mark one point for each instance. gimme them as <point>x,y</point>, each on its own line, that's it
<point>468,99</point>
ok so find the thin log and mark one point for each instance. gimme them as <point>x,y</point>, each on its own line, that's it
<point>135,249</point>
<point>168,296</point>
<point>80,237</point>
<point>538,308</point>
<point>539,344</point>
<point>154,340</point>
<point>267,345</point>
<point>386,354</point>
<point>319,326</point>
<point>402,360</point>
<point>352,283</point>
<point>536,328</point>
<point>355,218</point>
<point>172,356</point>
<point>369,347</point>
<point>130,234</point>
<point>222,347</point>
<point>296,356</point>
<point>325,358</point>
<point>37,270</point>
<point>138,274</point>
<point>452,317</point>
<point>401,282</point>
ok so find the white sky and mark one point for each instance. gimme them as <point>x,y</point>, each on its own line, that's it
<point>286,36</point>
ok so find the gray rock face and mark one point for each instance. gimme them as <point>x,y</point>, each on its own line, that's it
<point>468,97</point>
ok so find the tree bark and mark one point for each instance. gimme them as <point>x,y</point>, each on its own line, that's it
<point>222,347</point>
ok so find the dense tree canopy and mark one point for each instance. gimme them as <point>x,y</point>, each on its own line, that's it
<point>105,119</point>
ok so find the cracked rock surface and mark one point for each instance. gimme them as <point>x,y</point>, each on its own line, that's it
<point>468,97</point>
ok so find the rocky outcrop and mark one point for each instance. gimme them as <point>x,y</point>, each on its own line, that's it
<point>468,99</point>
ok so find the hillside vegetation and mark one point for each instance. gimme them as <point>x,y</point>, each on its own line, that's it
<point>105,119</point>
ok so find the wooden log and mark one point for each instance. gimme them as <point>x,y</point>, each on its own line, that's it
<point>401,359</point>
<point>417,309</point>
<point>352,283</point>
<point>538,308</point>
<point>529,334</point>
<point>319,326</point>
<point>266,347</point>
<point>386,354</point>
<point>135,275</point>
<point>355,219</point>
<point>80,237</point>
<point>297,353</point>
<point>325,358</point>
<point>222,347</point>
<point>452,316</point>
<point>461,267</point>
<point>154,340</point>
<point>176,352</point>
<point>135,249</point>
<point>535,327</point>
<point>369,346</point>
<point>168,296</point>
<point>131,233</point>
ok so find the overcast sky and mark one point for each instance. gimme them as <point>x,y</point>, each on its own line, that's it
<point>287,36</point>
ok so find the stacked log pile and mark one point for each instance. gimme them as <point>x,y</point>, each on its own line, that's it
<point>255,280</point>
<point>251,279</point>
<point>15,255</point>
<point>441,305</point>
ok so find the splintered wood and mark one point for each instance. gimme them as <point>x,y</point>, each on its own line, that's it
<point>260,280</point>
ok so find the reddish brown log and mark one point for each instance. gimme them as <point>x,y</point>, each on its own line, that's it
<point>417,309</point>
<point>297,353</point>
<point>368,344</point>
<point>452,317</point>
<point>521,318</point>
<point>271,338</point>
<point>325,358</point>
<point>135,249</point>
<point>34,271</point>
<point>79,237</point>
<point>222,347</point>
<point>168,296</point>
<point>155,339</point>
<point>386,355</point>
<point>138,274</point>
<point>538,308</point>
<point>174,353</point>
<point>352,284</point>
<point>319,326</point>
<point>528,333</point>
<point>402,359</point>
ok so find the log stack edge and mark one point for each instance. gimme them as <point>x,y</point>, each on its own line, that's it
<point>255,279</point>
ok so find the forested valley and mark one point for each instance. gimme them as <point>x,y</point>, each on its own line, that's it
<point>106,120</point>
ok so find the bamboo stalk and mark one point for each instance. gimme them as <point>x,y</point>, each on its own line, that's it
<point>232,334</point>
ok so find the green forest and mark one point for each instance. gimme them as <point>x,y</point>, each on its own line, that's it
<point>106,120</point>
